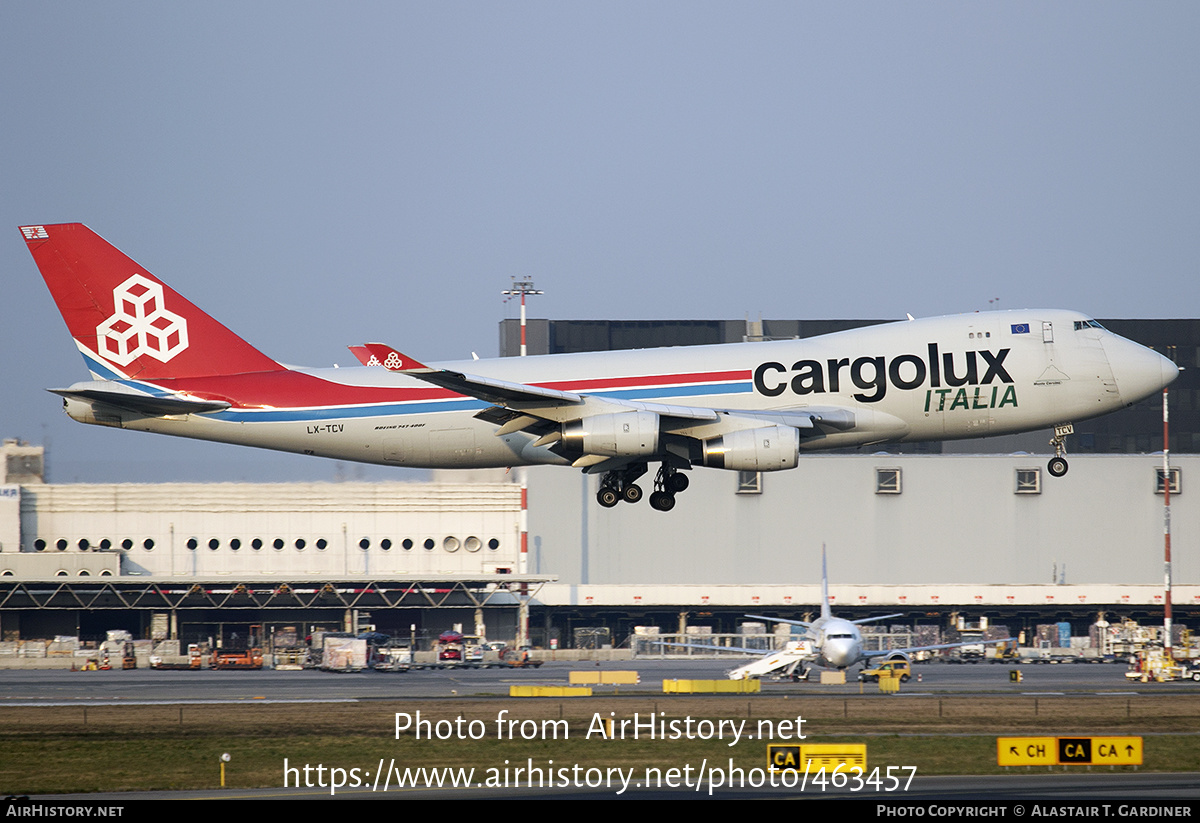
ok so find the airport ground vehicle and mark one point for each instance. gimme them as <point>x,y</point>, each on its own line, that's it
<point>519,660</point>
<point>249,658</point>
<point>888,668</point>
<point>194,659</point>
<point>1152,664</point>
<point>450,647</point>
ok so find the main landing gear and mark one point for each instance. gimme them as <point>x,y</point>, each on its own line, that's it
<point>667,484</point>
<point>1058,463</point>
<point>619,485</point>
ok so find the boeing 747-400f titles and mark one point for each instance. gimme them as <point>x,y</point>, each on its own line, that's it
<point>162,365</point>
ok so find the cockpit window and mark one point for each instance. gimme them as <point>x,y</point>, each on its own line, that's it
<point>1087,324</point>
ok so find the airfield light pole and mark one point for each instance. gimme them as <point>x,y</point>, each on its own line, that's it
<point>522,287</point>
<point>1166,530</point>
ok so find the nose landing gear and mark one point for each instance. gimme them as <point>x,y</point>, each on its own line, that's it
<point>1058,464</point>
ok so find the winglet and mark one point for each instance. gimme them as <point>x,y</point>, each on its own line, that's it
<point>390,359</point>
<point>363,356</point>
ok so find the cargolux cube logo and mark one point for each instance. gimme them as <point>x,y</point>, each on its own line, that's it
<point>141,325</point>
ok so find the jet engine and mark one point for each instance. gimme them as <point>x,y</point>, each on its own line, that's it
<point>623,434</point>
<point>769,448</point>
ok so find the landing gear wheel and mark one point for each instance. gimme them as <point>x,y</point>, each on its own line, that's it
<point>616,486</point>
<point>676,483</point>
<point>662,501</point>
<point>1058,464</point>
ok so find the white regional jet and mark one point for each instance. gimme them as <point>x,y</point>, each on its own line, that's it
<point>834,642</point>
<point>162,365</point>
<point>829,642</point>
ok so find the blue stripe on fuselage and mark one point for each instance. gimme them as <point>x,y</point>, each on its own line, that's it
<point>100,369</point>
<point>463,404</point>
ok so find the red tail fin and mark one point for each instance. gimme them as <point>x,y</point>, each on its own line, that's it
<point>126,321</point>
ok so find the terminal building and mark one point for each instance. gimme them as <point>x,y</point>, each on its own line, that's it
<point>215,558</point>
<point>941,537</point>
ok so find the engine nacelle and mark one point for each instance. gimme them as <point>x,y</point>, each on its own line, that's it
<point>898,656</point>
<point>766,449</point>
<point>624,434</point>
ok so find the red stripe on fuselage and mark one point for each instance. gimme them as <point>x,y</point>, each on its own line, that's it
<point>645,380</point>
<point>291,389</point>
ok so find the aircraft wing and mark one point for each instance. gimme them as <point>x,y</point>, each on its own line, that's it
<point>544,412</point>
<point>736,649</point>
<point>806,625</point>
<point>911,649</point>
<point>873,619</point>
<point>539,402</point>
<point>121,396</point>
<point>500,392</point>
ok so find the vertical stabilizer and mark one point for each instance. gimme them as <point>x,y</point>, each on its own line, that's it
<point>125,321</point>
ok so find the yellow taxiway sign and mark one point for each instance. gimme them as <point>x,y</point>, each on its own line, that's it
<point>1066,751</point>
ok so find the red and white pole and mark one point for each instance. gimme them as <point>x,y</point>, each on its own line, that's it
<point>524,348</point>
<point>1166,529</point>
<point>522,287</point>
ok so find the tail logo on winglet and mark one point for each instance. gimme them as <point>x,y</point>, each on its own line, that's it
<point>141,325</point>
<point>35,232</point>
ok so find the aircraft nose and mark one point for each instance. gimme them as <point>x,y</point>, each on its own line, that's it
<point>1139,371</point>
<point>837,652</point>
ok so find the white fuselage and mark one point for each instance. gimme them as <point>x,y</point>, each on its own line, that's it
<point>838,642</point>
<point>942,378</point>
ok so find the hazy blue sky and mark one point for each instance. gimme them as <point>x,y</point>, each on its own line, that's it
<point>321,174</point>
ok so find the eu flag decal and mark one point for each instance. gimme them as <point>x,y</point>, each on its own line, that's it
<point>1020,328</point>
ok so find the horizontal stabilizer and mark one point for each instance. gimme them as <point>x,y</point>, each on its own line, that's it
<point>129,399</point>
